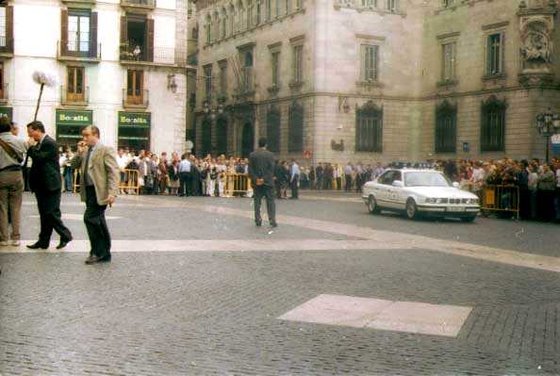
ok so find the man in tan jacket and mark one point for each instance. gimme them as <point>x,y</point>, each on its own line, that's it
<point>99,184</point>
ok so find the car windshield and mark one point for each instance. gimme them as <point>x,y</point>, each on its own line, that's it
<point>425,179</point>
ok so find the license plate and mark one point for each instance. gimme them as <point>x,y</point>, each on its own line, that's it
<point>455,209</point>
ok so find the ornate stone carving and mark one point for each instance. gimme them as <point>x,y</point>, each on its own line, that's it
<point>536,40</point>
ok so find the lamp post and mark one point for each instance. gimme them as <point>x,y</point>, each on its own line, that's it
<point>210,111</point>
<point>548,124</point>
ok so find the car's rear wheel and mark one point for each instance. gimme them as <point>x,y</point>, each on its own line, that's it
<point>372,205</point>
<point>411,209</point>
<point>468,219</point>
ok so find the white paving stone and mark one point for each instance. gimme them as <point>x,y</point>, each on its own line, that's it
<point>410,317</point>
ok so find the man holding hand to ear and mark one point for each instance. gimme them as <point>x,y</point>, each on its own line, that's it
<point>99,185</point>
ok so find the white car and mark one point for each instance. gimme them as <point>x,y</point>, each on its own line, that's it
<point>418,192</point>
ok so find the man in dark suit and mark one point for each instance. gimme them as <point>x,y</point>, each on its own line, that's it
<point>261,172</point>
<point>99,185</point>
<point>46,182</point>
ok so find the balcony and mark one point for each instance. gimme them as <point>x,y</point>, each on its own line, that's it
<point>133,53</point>
<point>80,2</point>
<point>246,85</point>
<point>6,47</point>
<point>74,99</point>
<point>135,98</point>
<point>4,93</point>
<point>139,4</point>
<point>83,52</point>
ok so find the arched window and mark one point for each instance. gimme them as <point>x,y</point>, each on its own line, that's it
<point>223,21</point>
<point>231,20</point>
<point>240,16</point>
<point>295,128</point>
<point>493,125</point>
<point>446,128</point>
<point>208,27</point>
<point>273,129</point>
<point>250,10</point>
<point>369,128</point>
<point>216,25</point>
<point>206,137</point>
<point>221,136</point>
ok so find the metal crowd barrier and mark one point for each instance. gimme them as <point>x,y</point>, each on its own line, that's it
<point>500,199</point>
<point>237,184</point>
<point>128,181</point>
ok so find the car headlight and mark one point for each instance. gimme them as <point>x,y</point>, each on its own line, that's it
<point>472,201</point>
<point>431,200</point>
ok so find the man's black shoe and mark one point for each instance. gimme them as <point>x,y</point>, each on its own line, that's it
<point>37,245</point>
<point>258,223</point>
<point>273,224</point>
<point>63,243</point>
<point>95,259</point>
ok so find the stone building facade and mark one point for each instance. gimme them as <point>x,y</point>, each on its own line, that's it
<point>376,80</point>
<point>120,65</point>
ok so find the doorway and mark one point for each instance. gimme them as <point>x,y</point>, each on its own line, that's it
<point>247,140</point>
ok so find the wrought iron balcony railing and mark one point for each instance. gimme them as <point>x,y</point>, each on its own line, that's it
<point>78,50</point>
<point>77,97</point>
<point>136,98</point>
<point>150,4</point>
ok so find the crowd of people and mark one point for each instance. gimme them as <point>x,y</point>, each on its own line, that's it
<point>188,175</point>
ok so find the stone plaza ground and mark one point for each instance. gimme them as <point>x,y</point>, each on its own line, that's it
<point>195,288</point>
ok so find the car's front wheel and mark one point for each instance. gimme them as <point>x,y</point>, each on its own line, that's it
<point>372,205</point>
<point>411,209</point>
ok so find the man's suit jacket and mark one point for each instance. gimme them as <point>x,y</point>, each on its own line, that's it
<point>261,165</point>
<point>44,175</point>
<point>104,172</point>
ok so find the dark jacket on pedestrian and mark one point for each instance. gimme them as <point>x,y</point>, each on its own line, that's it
<point>44,175</point>
<point>261,165</point>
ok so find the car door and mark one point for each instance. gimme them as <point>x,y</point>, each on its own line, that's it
<point>393,192</point>
<point>381,189</point>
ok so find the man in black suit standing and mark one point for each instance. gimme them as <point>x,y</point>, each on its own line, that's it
<point>46,182</point>
<point>261,172</point>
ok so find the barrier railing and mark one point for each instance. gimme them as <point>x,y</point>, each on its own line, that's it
<point>237,184</point>
<point>499,199</point>
<point>128,181</point>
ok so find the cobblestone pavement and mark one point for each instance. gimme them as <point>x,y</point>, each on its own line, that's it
<point>194,288</point>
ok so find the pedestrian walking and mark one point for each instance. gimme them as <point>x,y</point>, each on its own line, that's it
<point>99,186</point>
<point>11,183</point>
<point>294,179</point>
<point>261,172</point>
<point>45,181</point>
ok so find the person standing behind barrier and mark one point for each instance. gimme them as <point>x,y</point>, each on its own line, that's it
<point>261,172</point>
<point>184,175</point>
<point>99,186</point>
<point>545,195</point>
<point>46,182</point>
<point>11,183</point>
<point>294,179</point>
<point>557,192</point>
<point>532,183</point>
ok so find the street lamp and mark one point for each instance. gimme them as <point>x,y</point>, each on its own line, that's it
<point>548,124</point>
<point>212,111</point>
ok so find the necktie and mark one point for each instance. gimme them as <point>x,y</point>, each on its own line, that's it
<point>87,180</point>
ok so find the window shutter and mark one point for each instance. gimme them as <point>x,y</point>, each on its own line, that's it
<point>64,32</point>
<point>93,35</point>
<point>124,31</point>
<point>10,28</point>
<point>150,33</point>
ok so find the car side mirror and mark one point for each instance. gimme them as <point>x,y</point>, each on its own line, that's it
<point>398,183</point>
<point>455,184</point>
